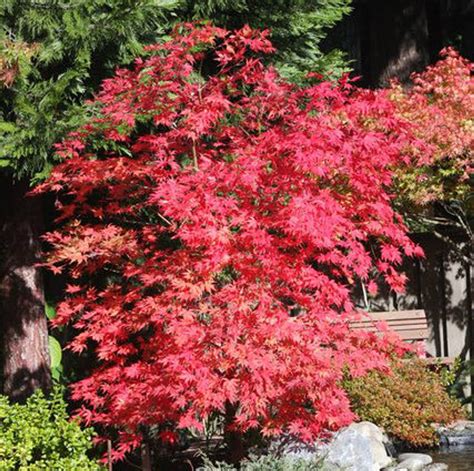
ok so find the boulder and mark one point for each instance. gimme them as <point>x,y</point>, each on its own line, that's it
<point>370,430</point>
<point>358,448</point>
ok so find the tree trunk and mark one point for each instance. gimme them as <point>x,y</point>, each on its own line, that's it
<point>397,40</point>
<point>235,448</point>
<point>146,457</point>
<point>25,362</point>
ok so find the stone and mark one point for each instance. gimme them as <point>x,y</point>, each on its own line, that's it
<point>358,447</point>
<point>462,424</point>
<point>352,450</point>
<point>459,428</point>
<point>410,465</point>
<point>379,453</point>
<point>436,467</point>
<point>457,440</point>
<point>421,457</point>
<point>413,461</point>
<point>368,429</point>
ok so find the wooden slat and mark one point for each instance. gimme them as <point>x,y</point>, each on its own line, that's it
<point>394,323</point>
<point>396,327</point>
<point>410,325</point>
<point>385,316</point>
<point>420,334</point>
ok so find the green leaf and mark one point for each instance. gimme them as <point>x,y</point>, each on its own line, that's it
<point>7,127</point>
<point>50,311</point>
<point>55,352</point>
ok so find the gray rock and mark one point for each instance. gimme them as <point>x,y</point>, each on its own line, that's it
<point>459,428</point>
<point>460,424</point>
<point>410,465</point>
<point>457,440</point>
<point>436,467</point>
<point>359,447</point>
<point>420,457</point>
<point>352,450</point>
<point>368,429</point>
<point>413,462</point>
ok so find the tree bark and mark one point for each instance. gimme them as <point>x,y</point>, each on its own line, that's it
<point>146,457</point>
<point>25,362</point>
<point>235,448</point>
<point>397,40</point>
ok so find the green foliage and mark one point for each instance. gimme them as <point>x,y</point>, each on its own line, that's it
<point>298,28</point>
<point>267,463</point>
<point>450,374</point>
<point>53,54</point>
<point>405,403</point>
<point>40,436</point>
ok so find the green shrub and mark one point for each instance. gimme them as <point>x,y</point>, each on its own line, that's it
<point>406,403</point>
<point>40,436</point>
<point>267,463</point>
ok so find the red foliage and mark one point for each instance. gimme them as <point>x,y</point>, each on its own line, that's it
<point>213,229</point>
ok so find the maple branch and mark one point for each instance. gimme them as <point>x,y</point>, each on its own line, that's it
<point>167,221</point>
<point>364,293</point>
<point>195,159</point>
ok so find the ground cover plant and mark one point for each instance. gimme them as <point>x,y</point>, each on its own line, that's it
<point>213,218</point>
<point>268,463</point>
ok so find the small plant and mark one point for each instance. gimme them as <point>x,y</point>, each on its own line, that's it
<point>405,403</point>
<point>40,436</point>
<point>267,463</point>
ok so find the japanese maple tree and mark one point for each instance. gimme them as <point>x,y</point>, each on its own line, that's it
<point>213,219</point>
<point>439,106</point>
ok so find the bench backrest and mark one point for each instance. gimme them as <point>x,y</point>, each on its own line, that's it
<point>410,325</point>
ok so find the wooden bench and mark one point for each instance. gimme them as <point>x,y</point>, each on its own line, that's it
<point>411,326</point>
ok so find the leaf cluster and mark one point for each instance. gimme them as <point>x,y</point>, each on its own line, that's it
<point>39,435</point>
<point>407,404</point>
<point>55,53</point>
